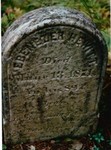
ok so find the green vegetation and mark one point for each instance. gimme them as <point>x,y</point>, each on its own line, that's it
<point>97,10</point>
<point>4,147</point>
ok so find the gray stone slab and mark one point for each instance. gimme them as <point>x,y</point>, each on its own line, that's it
<point>54,61</point>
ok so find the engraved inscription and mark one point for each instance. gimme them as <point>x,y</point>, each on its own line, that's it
<point>51,66</point>
<point>53,73</point>
<point>40,40</point>
<point>52,60</point>
<point>86,73</point>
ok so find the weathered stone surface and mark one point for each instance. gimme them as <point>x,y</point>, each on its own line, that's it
<point>54,62</point>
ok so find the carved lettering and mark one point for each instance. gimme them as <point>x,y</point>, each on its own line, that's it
<point>18,65</point>
<point>53,60</point>
<point>57,75</point>
<point>20,58</point>
<point>53,66</point>
<point>46,60</point>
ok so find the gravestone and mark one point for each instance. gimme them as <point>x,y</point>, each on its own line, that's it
<point>54,62</point>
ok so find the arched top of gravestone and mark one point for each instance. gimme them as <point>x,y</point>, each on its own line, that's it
<point>49,16</point>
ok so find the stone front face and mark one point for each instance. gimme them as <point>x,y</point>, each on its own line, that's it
<point>51,84</point>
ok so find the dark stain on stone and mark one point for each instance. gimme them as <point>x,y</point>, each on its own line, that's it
<point>88,95</point>
<point>40,101</point>
<point>20,134</point>
<point>25,106</point>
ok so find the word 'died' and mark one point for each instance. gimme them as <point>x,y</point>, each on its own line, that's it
<point>38,40</point>
<point>53,60</point>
